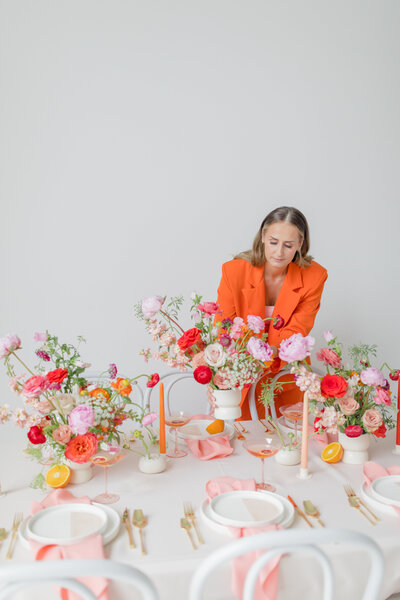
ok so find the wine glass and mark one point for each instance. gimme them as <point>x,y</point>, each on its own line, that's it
<point>262,448</point>
<point>294,412</point>
<point>175,421</point>
<point>106,459</point>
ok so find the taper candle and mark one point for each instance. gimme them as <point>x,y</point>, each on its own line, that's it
<point>162,420</point>
<point>304,474</point>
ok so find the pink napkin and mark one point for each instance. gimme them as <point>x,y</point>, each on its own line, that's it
<point>91,547</point>
<point>213,447</point>
<point>267,585</point>
<point>373,470</point>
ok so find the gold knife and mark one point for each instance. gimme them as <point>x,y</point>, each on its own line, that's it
<point>299,511</point>
<point>127,523</point>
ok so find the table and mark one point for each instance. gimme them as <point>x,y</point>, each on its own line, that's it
<point>171,561</point>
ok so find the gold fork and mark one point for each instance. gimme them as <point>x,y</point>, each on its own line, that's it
<point>139,521</point>
<point>16,523</point>
<point>127,523</point>
<point>354,504</point>
<point>242,428</point>
<point>351,493</point>
<point>186,525</point>
<point>240,435</point>
<point>267,430</point>
<point>189,514</point>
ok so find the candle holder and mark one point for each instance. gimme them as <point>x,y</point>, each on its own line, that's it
<point>396,449</point>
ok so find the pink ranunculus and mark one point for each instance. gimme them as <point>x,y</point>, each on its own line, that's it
<point>255,323</point>
<point>198,360</point>
<point>8,344</point>
<point>40,337</point>
<point>149,419</point>
<point>328,335</point>
<point>209,308</point>
<point>372,376</point>
<point>372,420</point>
<point>329,357</point>
<point>151,306</point>
<point>62,434</point>
<point>381,396</point>
<point>44,407</point>
<point>348,405</point>
<point>215,355</point>
<point>296,347</point>
<point>34,386</point>
<point>81,418</point>
<point>259,350</point>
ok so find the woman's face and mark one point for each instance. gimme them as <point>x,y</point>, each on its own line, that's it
<point>281,242</point>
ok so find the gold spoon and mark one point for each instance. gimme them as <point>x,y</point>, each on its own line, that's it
<point>312,511</point>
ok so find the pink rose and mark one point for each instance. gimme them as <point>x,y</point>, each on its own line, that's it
<point>371,376</point>
<point>151,306</point>
<point>40,337</point>
<point>372,420</point>
<point>348,405</point>
<point>149,419</point>
<point>8,344</point>
<point>81,418</point>
<point>44,407</point>
<point>329,357</point>
<point>215,355</point>
<point>255,323</point>
<point>62,434</point>
<point>209,308</point>
<point>198,360</point>
<point>34,386</point>
<point>381,396</point>
<point>296,347</point>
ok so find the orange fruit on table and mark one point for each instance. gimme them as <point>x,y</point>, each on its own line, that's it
<point>58,476</point>
<point>216,426</point>
<point>332,453</point>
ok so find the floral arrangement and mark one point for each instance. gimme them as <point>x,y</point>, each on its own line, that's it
<point>66,417</point>
<point>224,354</point>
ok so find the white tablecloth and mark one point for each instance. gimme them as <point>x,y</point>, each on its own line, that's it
<point>171,561</point>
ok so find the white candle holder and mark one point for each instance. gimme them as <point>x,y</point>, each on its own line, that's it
<point>396,449</point>
<point>304,473</point>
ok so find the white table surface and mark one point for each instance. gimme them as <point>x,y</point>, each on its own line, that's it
<point>171,561</point>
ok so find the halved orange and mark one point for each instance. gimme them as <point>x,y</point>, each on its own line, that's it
<point>58,476</point>
<point>332,453</point>
<point>216,426</point>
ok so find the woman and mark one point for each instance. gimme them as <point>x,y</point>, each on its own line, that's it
<point>276,278</point>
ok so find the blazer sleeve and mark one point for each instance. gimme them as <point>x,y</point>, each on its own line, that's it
<point>225,298</point>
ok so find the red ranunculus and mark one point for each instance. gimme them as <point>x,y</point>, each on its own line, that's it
<point>36,435</point>
<point>154,379</point>
<point>333,386</point>
<point>190,338</point>
<point>353,431</point>
<point>57,376</point>
<point>202,375</point>
<point>278,322</point>
<point>381,431</point>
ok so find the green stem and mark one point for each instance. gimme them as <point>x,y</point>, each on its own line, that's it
<point>171,319</point>
<point>22,362</point>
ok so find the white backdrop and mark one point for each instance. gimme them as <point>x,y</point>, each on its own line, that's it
<point>142,143</point>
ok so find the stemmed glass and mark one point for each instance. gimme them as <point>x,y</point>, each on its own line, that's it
<point>175,421</point>
<point>106,459</point>
<point>294,412</point>
<point>262,448</point>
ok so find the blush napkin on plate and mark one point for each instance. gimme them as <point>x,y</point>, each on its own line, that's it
<point>373,470</point>
<point>90,547</point>
<point>216,446</point>
<point>267,585</point>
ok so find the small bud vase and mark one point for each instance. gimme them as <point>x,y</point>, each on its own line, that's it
<point>288,457</point>
<point>155,463</point>
<point>355,450</point>
<point>227,404</point>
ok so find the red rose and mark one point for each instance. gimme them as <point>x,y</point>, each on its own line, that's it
<point>154,379</point>
<point>202,375</point>
<point>278,322</point>
<point>57,376</point>
<point>190,338</point>
<point>353,431</point>
<point>36,435</point>
<point>381,431</point>
<point>333,386</point>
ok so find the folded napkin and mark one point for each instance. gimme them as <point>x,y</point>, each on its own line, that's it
<point>373,470</point>
<point>216,446</point>
<point>90,547</point>
<point>267,585</point>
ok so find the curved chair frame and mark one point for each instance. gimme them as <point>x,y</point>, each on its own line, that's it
<point>103,379</point>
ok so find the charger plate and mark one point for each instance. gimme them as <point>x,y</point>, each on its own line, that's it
<point>366,495</point>
<point>387,489</point>
<point>245,508</point>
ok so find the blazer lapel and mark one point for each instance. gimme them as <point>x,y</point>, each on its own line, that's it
<point>289,295</point>
<point>254,293</point>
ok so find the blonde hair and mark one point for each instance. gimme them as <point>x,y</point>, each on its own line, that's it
<point>288,214</point>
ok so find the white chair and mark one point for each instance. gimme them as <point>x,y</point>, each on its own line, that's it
<point>63,572</point>
<point>101,380</point>
<point>280,542</point>
<point>173,378</point>
<point>252,391</point>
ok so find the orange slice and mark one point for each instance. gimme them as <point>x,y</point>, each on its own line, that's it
<point>58,476</point>
<point>332,453</point>
<point>216,426</point>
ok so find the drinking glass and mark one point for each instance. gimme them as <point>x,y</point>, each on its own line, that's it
<point>175,421</point>
<point>262,448</point>
<point>294,412</point>
<point>106,459</point>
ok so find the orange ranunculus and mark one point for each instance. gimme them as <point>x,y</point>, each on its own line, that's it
<point>100,393</point>
<point>80,448</point>
<point>123,386</point>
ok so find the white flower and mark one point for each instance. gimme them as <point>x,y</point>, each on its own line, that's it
<point>215,355</point>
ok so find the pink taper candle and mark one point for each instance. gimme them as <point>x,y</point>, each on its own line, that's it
<point>162,420</point>
<point>304,474</point>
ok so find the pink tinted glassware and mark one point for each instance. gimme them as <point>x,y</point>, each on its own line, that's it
<point>293,412</point>
<point>175,421</point>
<point>106,460</point>
<point>262,448</point>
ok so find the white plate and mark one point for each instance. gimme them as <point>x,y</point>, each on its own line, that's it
<point>375,504</point>
<point>196,430</point>
<point>111,529</point>
<point>387,489</point>
<point>285,522</point>
<point>245,508</point>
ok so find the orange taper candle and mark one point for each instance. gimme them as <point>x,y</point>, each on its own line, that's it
<point>162,420</point>
<point>398,417</point>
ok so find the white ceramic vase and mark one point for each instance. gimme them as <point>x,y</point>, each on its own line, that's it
<point>156,463</point>
<point>355,450</point>
<point>80,472</point>
<point>284,456</point>
<point>227,404</point>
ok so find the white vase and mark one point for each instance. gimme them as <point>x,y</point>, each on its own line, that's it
<point>227,404</point>
<point>156,463</point>
<point>355,450</point>
<point>80,472</point>
<point>288,457</point>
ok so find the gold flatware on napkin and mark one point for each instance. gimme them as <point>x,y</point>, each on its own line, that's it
<point>127,523</point>
<point>16,523</point>
<point>240,434</point>
<point>300,512</point>
<point>189,514</point>
<point>267,429</point>
<point>186,525</point>
<point>355,504</point>
<point>312,511</point>
<point>242,428</point>
<point>139,521</point>
<point>350,492</point>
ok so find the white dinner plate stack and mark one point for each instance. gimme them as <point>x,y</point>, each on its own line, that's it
<point>384,494</point>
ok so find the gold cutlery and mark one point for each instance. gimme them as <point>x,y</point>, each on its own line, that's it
<point>189,514</point>
<point>240,434</point>
<point>300,512</point>
<point>127,523</point>
<point>312,511</point>
<point>186,525</point>
<point>267,430</point>
<point>16,523</point>
<point>355,504</point>
<point>3,534</point>
<point>242,428</point>
<point>350,492</point>
<point>139,521</point>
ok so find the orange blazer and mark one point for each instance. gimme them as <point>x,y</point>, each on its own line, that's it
<point>242,293</point>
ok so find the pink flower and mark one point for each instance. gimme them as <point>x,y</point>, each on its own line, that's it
<point>215,355</point>
<point>35,386</point>
<point>259,350</point>
<point>62,434</point>
<point>43,355</point>
<point>198,360</point>
<point>14,383</point>
<point>149,419</point>
<point>296,347</point>
<point>255,323</point>
<point>235,332</point>
<point>328,335</point>
<point>151,306</point>
<point>209,308</point>
<point>348,405</point>
<point>225,340</point>
<point>112,370</point>
<point>40,337</point>
<point>329,357</point>
<point>4,413</point>
<point>372,419</point>
<point>20,417</point>
<point>372,376</point>
<point>44,407</point>
<point>8,344</point>
<point>81,418</point>
<point>381,396</point>
<point>221,380</point>
<point>167,339</point>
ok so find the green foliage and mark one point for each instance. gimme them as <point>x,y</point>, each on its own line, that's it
<point>174,306</point>
<point>269,389</point>
<point>137,311</point>
<point>38,482</point>
<point>362,352</point>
